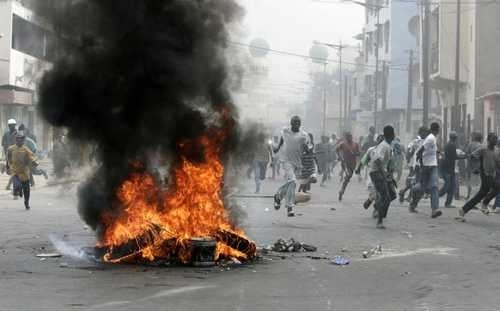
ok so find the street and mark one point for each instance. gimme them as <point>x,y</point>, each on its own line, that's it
<point>425,264</point>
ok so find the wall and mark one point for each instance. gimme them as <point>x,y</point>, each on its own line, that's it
<point>401,41</point>
<point>5,40</point>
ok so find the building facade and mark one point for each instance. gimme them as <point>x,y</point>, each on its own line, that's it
<point>26,49</point>
<point>382,93</point>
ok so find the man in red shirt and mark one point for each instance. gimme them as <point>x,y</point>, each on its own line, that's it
<point>348,153</point>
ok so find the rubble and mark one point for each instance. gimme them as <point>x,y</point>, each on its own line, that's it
<point>291,246</point>
<point>375,250</point>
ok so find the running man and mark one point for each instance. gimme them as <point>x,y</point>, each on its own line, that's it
<point>293,141</point>
<point>348,152</point>
<point>489,161</point>
<point>381,175</point>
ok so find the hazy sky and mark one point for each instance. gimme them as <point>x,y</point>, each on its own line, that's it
<point>292,25</point>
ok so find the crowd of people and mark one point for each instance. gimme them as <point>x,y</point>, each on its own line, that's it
<point>381,160</point>
<point>20,152</point>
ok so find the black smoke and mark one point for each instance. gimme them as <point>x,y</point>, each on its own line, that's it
<point>135,76</point>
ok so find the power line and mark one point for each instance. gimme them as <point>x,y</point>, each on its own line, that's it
<point>328,61</point>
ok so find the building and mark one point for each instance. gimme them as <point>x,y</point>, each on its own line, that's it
<point>26,49</point>
<point>389,34</point>
<point>478,107</point>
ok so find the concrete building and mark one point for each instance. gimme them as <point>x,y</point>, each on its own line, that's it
<point>479,92</point>
<point>26,49</point>
<point>387,31</point>
<point>487,67</point>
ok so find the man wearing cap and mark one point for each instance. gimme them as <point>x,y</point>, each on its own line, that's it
<point>20,159</point>
<point>9,138</point>
<point>448,169</point>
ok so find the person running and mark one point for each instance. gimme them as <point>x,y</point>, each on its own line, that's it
<point>323,157</point>
<point>381,175</point>
<point>348,153</point>
<point>20,160</point>
<point>489,158</point>
<point>473,164</point>
<point>275,158</point>
<point>367,144</point>
<point>293,141</point>
<point>398,158</point>
<point>9,139</point>
<point>448,166</point>
<point>365,162</point>
<point>260,161</point>
<point>429,176</point>
<point>308,170</point>
<point>333,153</point>
<point>413,164</point>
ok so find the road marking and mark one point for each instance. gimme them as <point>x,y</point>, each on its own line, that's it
<point>160,294</point>
<point>442,251</point>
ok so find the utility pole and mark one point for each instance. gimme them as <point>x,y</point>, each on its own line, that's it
<point>348,115</point>
<point>425,63</point>
<point>344,118</point>
<point>375,97</point>
<point>409,105</point>
<point>324,100</point>
<point>455,115</point>
<point>384,85</point>
<point>339,47</point>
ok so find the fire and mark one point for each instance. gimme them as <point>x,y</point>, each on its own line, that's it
<point>154,224</point>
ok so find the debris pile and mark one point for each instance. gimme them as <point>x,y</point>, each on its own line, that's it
<point>291,246</point>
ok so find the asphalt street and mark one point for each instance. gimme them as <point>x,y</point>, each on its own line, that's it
<point>425,264</point>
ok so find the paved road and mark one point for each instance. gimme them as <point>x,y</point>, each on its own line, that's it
<point>426,264</point>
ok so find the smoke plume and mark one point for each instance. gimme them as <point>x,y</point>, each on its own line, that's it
<point>135,77</point>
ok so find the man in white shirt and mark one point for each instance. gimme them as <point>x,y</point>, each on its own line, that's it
<point>427,155</point>
<point>293,141</point>
<point>413,164</point>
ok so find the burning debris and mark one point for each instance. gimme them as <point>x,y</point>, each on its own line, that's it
<point>143,80</point>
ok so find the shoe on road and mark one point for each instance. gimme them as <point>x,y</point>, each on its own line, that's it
<point>412,209</point>
<point>436,213</point>
<point>340,196</point>
<point>380,225</point>
<point>290,212</point>
<point>461,215</point>
<point>401,197</point>
<point>492,210</point>
<point>484,209</point>
<point>367,203</point>
<point>277,202</point>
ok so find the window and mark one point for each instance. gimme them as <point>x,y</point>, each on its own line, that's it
<point>31,39</point>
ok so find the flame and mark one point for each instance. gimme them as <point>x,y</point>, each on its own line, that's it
<point>159,223</point>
